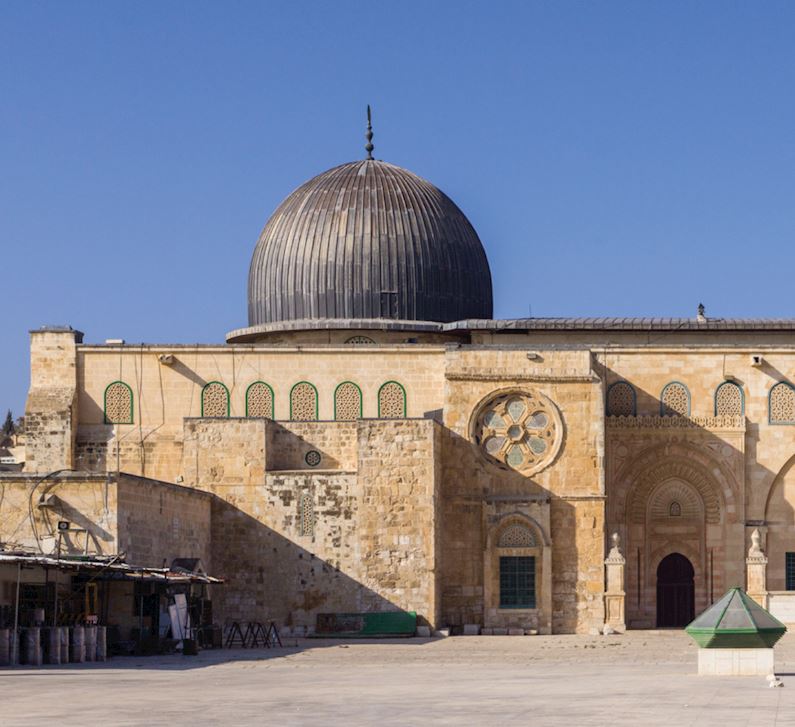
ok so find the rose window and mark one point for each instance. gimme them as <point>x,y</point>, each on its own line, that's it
<point>521,430</point>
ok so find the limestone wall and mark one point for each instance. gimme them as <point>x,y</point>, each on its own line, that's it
<point>51,413</point>
<point>572,483</point>
<point>158,523</point>
<point>295,543</point>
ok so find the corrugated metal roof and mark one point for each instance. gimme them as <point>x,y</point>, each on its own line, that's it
<point>110,567</point>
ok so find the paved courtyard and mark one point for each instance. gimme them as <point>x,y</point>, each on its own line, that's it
<point>632,679</point>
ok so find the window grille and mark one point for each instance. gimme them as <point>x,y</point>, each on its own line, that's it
<point>215,400</point>
<point>621,400</point>
<point>347,402</point>
<point>728,400</point>
<point>259,400</point>
<point>303,402</point>
<point>517,582</point>
<point>675,400</point>
<point>789,571</point>
<point>782,404</point>
<point>391,401</point>
<point>118,403</point>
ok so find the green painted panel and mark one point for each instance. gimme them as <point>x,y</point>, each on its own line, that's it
<point>381,623</point>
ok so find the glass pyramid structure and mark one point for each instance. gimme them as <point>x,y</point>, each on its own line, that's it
<point>736,621</point>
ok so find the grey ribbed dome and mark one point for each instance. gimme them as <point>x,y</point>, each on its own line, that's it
<point>368,240</point>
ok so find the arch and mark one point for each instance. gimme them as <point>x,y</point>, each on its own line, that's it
<point>260,400</point>
<point>729,400</point>
<point>304,402</point>
<point>674,492</point>
<point>781,403</point>
<point>392,401</point>
<point>347,402</point>
<point>675,400</point>
<point>712,479</point>
<point>117,403</point>
<point>621,399</point>
<point>521,519</point>
<point>215,400</point>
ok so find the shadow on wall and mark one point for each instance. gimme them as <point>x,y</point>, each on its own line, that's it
<point>478,497</point>
<point>271,578</point>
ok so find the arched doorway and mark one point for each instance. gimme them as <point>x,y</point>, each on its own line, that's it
<point>675,591</point>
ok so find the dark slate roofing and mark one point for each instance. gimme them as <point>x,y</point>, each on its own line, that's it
<point>370,240</point>
<point>626,324</point>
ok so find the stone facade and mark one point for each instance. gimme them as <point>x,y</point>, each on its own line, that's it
<point>372,514</point>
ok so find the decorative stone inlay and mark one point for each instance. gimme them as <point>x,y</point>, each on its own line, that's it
<point>312,458</point>
<point>118,404</point>
<point>520,429</point>
<point>666,422</point>
<point>259,401</point>
<point>516,536</point>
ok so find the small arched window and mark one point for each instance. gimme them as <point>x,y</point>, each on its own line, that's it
<point>215,400</point>
<point>259,400</point>
<point>729,400</point>
<point>675,400</point>
<point>782,404</point>
<point>118,403</point>
<point>391,401</point>
<point>347,402</point>
<point>621,400</point>
<point>675,509</point>
<point>303,402</point>
<point>360,340</point>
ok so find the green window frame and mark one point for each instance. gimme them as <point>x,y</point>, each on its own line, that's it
<point>403,392</point>
<point>517,581</point>
<point>361,398</point>
<point>273,397</point>
<point>207,386</point>
<point>131,418</point>
<point>789,571</point>
<point>317,402</point>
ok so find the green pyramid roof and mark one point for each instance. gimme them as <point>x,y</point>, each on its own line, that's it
<point>736,621</point>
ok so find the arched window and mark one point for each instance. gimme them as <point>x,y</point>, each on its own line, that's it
<point>360,340</point>
<point>303,402</point>
<point>215,400</point>
<point>118,403</point>
<point>782,404</point>
<point>675,400</point>
<point>391,401</point>
<point>729,400</point>
<point>621,401</point>
<point>675,509</point>
<point>347,402</point>
<point>259,400</point>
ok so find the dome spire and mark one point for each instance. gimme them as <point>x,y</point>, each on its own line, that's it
<point>368,147</point>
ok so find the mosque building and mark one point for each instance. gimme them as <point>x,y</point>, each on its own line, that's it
<point>374,440</point>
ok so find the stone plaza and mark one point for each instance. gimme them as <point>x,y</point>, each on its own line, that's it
<point>642,677</point>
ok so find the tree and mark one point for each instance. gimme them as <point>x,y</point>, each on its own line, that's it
<point>8,425</point>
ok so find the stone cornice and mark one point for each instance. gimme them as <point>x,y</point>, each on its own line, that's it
<point>725,423</point>
<point>547,375</point>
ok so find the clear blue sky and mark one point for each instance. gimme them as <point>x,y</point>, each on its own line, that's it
<point>616,158</point>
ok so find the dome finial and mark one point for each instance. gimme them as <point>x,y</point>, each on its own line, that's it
<point>369,135</point>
